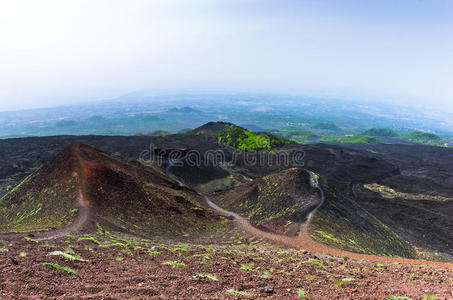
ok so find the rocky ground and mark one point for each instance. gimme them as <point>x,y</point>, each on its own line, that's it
<point>112,267</point>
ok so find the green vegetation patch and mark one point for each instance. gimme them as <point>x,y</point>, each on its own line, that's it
<point>243,139</point>
<point>344,281</point>
<point>36,206</point>
<point>155,133</point>
<point>89,239</point>
<point>237,293</point>
<point>314,262</point>
<point>66,255</point>
<point>301,293</point>
<point>326,126</point>
<point>425,138</point>
<point>174,264</point>
<point>351,139</point>
<point>247,267</point>
<point>206,275</point>
<point>29,239</point>
<point>380,132</point>
<point>297,134</point>
<point>58,267</point>
<point>180,249</point>
<point>116,244</point>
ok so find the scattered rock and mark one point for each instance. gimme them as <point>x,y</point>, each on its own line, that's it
<point>14,260</point>
<point>269,290</point>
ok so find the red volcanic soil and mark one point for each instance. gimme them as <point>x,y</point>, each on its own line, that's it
<point>143,270</point>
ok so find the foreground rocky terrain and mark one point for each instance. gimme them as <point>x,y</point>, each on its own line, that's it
<point>110,266</point>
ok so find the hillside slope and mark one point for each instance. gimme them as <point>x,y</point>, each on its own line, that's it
<point>341,223</point>
<point>134,197</point>
<point>273,202</point>
<point>281,202</point>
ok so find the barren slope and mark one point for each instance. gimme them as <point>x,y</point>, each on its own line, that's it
<point>277,202</point>
<point>131,196</point>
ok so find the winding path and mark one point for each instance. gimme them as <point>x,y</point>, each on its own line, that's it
<point>304,241</point>
<point>84,209</point>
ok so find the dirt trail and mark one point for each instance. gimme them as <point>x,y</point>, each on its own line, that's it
<point>83,215</point>
<point>305,242</point>
<point>84,209</point>
<point>290,242</point>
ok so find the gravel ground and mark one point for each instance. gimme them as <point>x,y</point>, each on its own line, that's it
<point>114,268</point>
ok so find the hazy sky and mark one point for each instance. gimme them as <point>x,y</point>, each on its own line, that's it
<point>63,51</point>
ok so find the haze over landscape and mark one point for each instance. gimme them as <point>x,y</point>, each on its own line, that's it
<point>58,53</point>
<point>232,149</point>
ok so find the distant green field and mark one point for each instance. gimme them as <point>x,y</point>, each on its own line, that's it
<point>155,133</point>
<point>354,139</point>
<point>425,138</point>
<point>380,132</point>
<point>243,139</point>
<point>297,134</point>
<point>325,126</point>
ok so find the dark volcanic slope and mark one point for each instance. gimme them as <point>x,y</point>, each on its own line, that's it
<point>274,202</point>
<point>134,197</point>
<point>415,210</point>
<point>340,222</point>
<point>19,157</point>
<point>46,199</point>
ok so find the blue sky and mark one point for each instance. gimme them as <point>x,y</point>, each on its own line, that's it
<point>63,52</point>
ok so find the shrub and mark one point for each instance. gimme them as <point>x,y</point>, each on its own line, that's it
<point>301,293</point>
<point>58,267</point>
<point>243,139</point>
<point>205,275</point>
<point>90,239</point>
<point>66,255</point>
<point>174,264</point>
<point>234,292</point>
